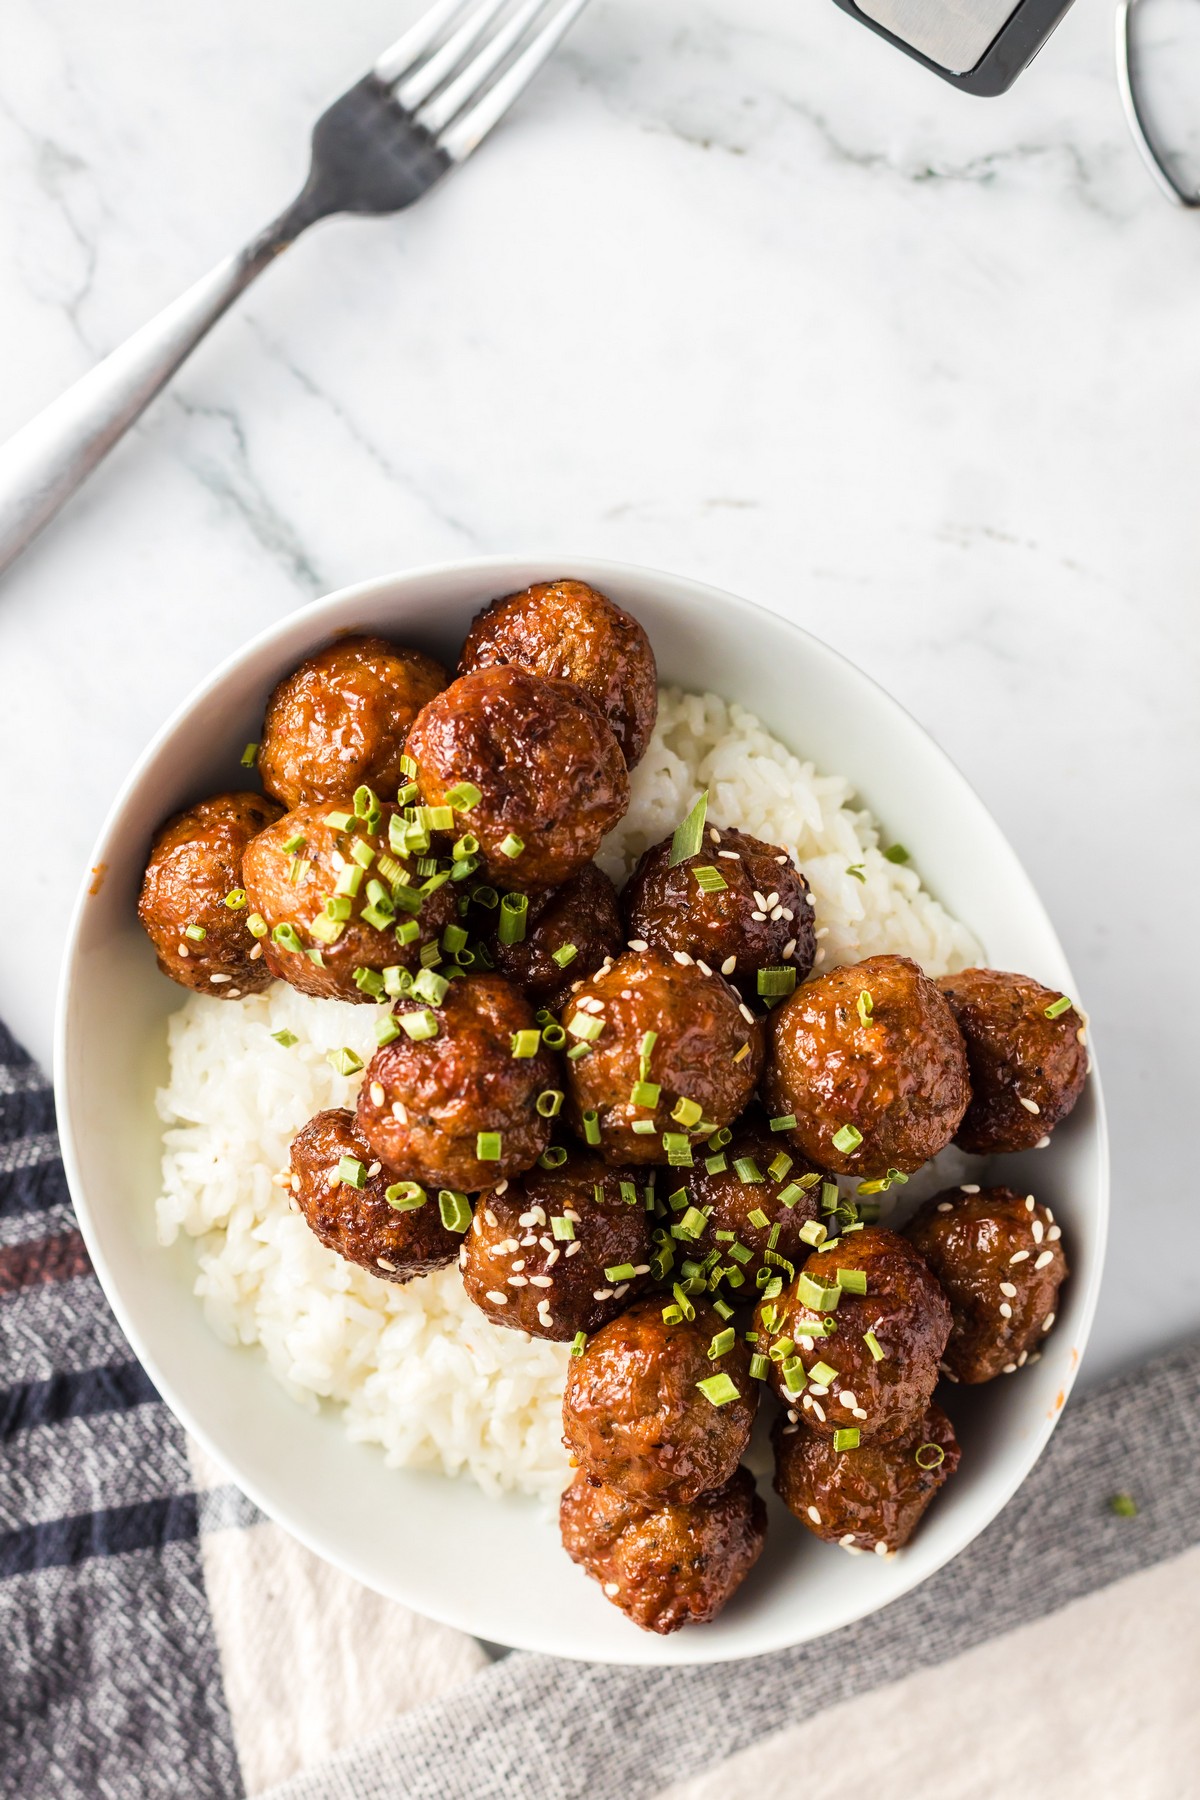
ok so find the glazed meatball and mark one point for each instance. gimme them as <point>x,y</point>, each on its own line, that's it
<point>872,1064</point>
<point>869,1498</point>
<point>1027,1067</point>
<point>301,866</point>
<point>342,1192</point>
<point>670,1565</point>
<point>999,1259</point>
<point>430,1104</point>
<point>579,920</point>
<point>760,918</point>
<point>676,1052</point>
<point>550,774</point>
<point>635,1418</point>
<point>537,1255</point>
<point>567,629</point>
<point>753,1191</point>
<point>341,719</point>
<point>192,904</point>
<point>903,1309</point>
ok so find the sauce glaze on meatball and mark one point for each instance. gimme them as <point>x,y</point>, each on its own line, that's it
<point>425,1101</point>
<point>761,917</point>
<point>341,719</point>
<point>663,1025</point>
<point>999,1258</point>
<point>635,1418</point>
<point>870,1498</point>
<point>536,1255</point>
<point>903,1308</point>
<point>550,774</point>
<point>289,888</point>
<point>1027,1070</point>
<point>359,1222</point>
<point>580,916</point>
<point>872,1064</point>
<point>195,865</point>
<point>567,629</point>
<point>669,1565</point>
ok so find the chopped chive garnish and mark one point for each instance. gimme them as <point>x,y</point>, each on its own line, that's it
<point>256,925</point>
<point>454,938</point>
<point>235,899</point>
<point>682,1302</point>
<point>249,755</point>
<point>929,1456</point>
<point>344,1061</point>
<point>721,1343</point>
<point>562,1229</point>
<point>813,1232</point>
<point>815,1295</point>
<point>779,1165</point>
<point>866,1007</point>
<point>790,1194</point>
<point>549,1103</point>
<point>686,1112</point>
<point>718,1164</point>
<point>405,1196</point>
<point>511,845</point>
<point>408,931</point>
<point>758,1219</point>
<point>579,1343</point>
<point>553,1157</point>
<point>1124,1505</point>
<point>691,1224</point>
<point>794,1378</point>
<point>649,1039</point>
<point>829,1196</point>
<point>349,880</point>
<point>408,766</point>
<point>362,853</point>
<point>485,896</point>
<point>775,981</point>
<point>719,1139</point>
<point>821,1372</point>
<point>644,1093</point>
<point>620,1272</point>
<point>488,1146</point>
<point>642,1127</point>
<point>848,1138</point>
<point>896,853</point>
<point>369,981</point>
<point>847,1438</point>
<point>677,1200</point>
<point>429,985</point>
<point>340,821</point>
<point>672,1315</point>
<point>294,844</point>
<point>511,926</point>
<point>760,1368</point>
<point>553,1036</point>
<point>285,1037</point>
<point>746,1169</point>
<point>856,869</point>
<point>742,1054</point>
<point>386,1029</point>
<point>689,835</point>
<point>629,1193</point>
<point>455,1209</point>
<point>718,1389</point>
<point>873,1345</point>
<point>708,879</point>
<point>464,851</point>
<point>419,1025</point>
<point>525,1043</point>
<point>463,796</point>
<point>196,933</point>
<point>1058,1007</point>
<point>853,1281</point>
<point>566,953</point>
<point>586,1026</point>
<point>591,1127</point>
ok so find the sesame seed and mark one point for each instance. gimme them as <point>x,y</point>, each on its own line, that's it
<point>602,1294</point>
<point>1005,1310</point>
<point>849,1399</point>
<point>969,1187</point>
<point>295,1184</point>
<point>682,958</point>
<point>527,1218</point>
<point>759,901</point>
<point>793,1415</point>
<point>611,1588</point>
<point>381,1262</point>
<point>462,1257</point>
<point>847,1542</point>
<point>1031,1106</point>
<point>814,1515</point>
<point>1030,1203</point>
<point>745,1012</point>
<point>517,1281</point>
<point>809,900</point>
<point>528,1241</point>
<point>1022,1359</point>
<point>377,1095</point>
<point>819,1410</point>
<point>948,1372</point>
<point>822,932</point>
<point>729,965</point>
<point>182,950</point>
<point>399,1112</point>
<point>570,1213</point>
<point>218,979</point>
<point>501,1186</point>
<point>622,1290</point>
<point>714,835</point>
<point>1019,1256</point>
<point>1009,1289</point>
<point>1048,1321</point>
<point>729,855</point>
<point>1049,1215</point>
<point>789,949</point>
<point>703,967</point>
<point>881,1548</point>
<point>1010,1368</point>
<point>496,1297</point>
<point>519,1264</point>
<point>490,1216</point>
<point>1039,1231</point>
<point>860,1412</point>
<point>772,900</point>
<point>373,1171</point>
<point>776,913</point>
<point>1043,1143</point>
<point>781,859</point>
<point>235,993</point>
<point>552,1257</point>
<point>945,1206</point>
<point>542,1280</point>
<point>816,1389</point>
<point>788,914</point>
<point>760,916</point>
<point>572,1248</point>
<point>1054,1233</point>
<point>638,944</point>
<point>255,953</point>
<point>546,1243</point>
<point>1047,1256</point>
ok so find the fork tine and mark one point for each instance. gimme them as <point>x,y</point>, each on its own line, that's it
<point>407,50</point>
<point>445,60</point>
<point>445,106</point>
<point>469,130</point>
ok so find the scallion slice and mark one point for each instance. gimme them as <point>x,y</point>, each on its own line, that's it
<point>929,1456</point>
<point>405,1196</point>
<point>344,1061</point>
<point>513,911</point>
<point>455,1209</point>
<point>775,981</point>
<point>689,835</point>
<point>847,1438</point>
<point>708,879</point>
<point>525,1043</point>
<point>719,1390</point>
<point>1058,1007</point>
<point>564,955</point>
<point>847,1138</point>
<point>511,845</point>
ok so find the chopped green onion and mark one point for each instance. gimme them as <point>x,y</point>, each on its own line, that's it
<point>586,1026</point>
<point>677,1200</point>
<point>873,1345</point>
<point>344,1061</point>
<point>285,1037</point>
<point>511,845</point>
<point>485,896</point>
<point>525,1043</point>
<point>235,899</point>
<point>790,1194</point>
<point>348,880</point>
<point>406,794</point>
<point>856,869</point>
<point>758,1218</point>
<point>847,1438</point>
<point>1058,1007</point>
<point>692,1224</point>
<point>794,1378</point>
<point>815,1295</point>
<point>566,953</point>
<point>718,1164</point>
<point>775,981</point>
<point>455,1209</point>
<point>686,1112</point>
<point>1124,1505</point>
<point>454,938</point>
<point>689,835</point>
<point>740,1253</point>
<point>553,1157</point>
<point>847,1138</point>
<point>408,931</point>
<point>340,821</point>
<point>196,933</point>
<point>488,1146</point>
<point>591,1127</point>
<point>929,1456</point>
<point>672,1315</point>
<point>896,853</point>
<point>369,981</point>
<point>720,1307</point>
<point>854,1281</point>
<point>679,1153</point>
<point>746,1169</point>
<point>785,1122</point>
<point>362,853</point>
<point>721,1343</point>
<point>256,925</point>
<point>760,1368</point>
<point>649,1039</point>
<point>579,1343</point>
<point>813,1232</point>
<point>642,1127</point>
<point>405,1196</point>
<point>821,1372</point>
<point>511,927</point>
<point>644,1093</point>
<point>249,755</point>
<point>386,1029</point>
<point>620,1272</point>
<point>708,879</point>
<point>719,1389</point>
<point>408,766</point>
<point>779,1165</point>
<point>419,1025</point>
<point>866,1007</point>
<point>463,796</point>
<point>553,1036</point>
<point>365,802</point>
<point>829,1196</point>
<point>563,1229</point>
<point>629,1193</point>
<point>429,985</point>
<point>464,854</point>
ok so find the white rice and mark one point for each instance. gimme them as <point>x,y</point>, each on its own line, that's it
<point>417,1369</point>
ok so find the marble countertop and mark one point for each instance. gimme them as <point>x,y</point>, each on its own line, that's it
<point>739,292</point>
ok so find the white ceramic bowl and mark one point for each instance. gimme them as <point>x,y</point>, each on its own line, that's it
<point>496,1568</point>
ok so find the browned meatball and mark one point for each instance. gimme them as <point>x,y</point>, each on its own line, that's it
<point>538,1255</point>
<point>567,629</point>
<point>550,774</point>
<point>342,1192</point>
<point>869,1498</point>
<point>665,1566</point>
<point>853,1387</point>
<point>752,1194</point>
<point>341,719</point>
<point>676,1052</point>
<point>872,1064</point>
<point>292,889</point>
<point>634,1416</point>
<point>761,918</point>
<point>1027,1068</point>
<point>579,920</point>
<point>999,1258</point>
<point>192,904</point>
<point>430,1104</point>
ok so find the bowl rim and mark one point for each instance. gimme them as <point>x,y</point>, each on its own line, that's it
<point>494,572</point>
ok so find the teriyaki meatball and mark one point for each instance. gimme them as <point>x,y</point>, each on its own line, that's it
<point>560,938</point>
<point>1025,1049</point>
<point>870,1497</point>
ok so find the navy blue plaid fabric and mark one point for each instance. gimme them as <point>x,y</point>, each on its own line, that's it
<point>110,1683</point>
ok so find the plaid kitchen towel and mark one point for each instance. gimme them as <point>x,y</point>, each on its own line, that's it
<point>159,1638</point>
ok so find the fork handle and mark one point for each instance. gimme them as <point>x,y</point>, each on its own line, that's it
<point>42,464</point>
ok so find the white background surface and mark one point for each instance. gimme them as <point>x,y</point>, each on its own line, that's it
<point>739,292</point>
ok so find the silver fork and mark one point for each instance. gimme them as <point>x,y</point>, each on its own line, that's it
<point>429,101</point>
